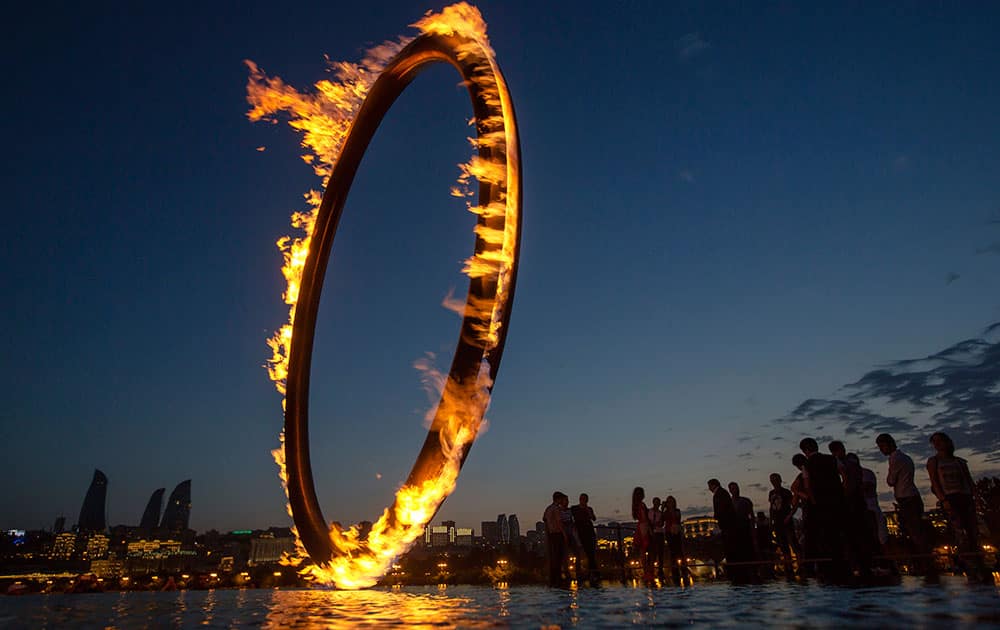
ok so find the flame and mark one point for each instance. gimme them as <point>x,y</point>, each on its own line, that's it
<point>324,118</point>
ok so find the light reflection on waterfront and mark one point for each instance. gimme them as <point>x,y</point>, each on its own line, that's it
<point>951,603</point>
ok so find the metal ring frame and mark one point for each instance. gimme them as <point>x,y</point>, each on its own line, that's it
<point>476,70</point>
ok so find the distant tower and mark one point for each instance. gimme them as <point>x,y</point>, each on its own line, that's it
<point>60,525</point>
<point>92,513</point>
<point>178,510</point>
<point>151,515</point>
<point>504,528</point>
<point>515,529</point>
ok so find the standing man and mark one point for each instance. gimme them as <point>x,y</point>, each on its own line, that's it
<point>658,541</point>
<point>745,518</point>
<point>856,520</point>
<point>729,525</point>
<point>780,500</point>
<point>556,537</point>
<point>909,505</point>
<point>583,518</point>
<point>826,499</point>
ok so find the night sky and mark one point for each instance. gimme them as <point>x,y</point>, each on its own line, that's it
<point>742,225</point>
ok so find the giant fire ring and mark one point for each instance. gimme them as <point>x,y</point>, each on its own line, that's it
<point>487,313</point>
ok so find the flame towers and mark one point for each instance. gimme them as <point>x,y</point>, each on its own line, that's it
<point>92,513</point>
<point>178,511</point>
<point>151,515</point>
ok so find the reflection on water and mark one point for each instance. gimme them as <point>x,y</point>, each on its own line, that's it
<point>951,603</point>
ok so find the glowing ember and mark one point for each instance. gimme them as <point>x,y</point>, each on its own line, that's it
<point>325,118</point>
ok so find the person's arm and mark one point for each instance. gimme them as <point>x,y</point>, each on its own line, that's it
<point>890,478</point>
<point>932,472</point>
<point>593,516</point>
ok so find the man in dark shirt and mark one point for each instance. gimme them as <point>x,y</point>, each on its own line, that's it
<point>557,539</point>
<point>744,517</point>
<point>729,525</point>
<point>826,498</point>
<point>583,519</point>
<point>856,521</point>
<point>780,500</point>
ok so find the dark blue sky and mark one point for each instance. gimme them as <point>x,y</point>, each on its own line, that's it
<point>728,211</point>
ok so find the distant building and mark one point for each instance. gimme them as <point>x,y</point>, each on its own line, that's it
<point>64,546</point>
<point>178,512</point>
<point>151,515</point>
<point>514,528</point>
<point>108,568</point>
<point>503,526</point>
<point>490,532</point>
<point>540,528</point>
<point>269,550</point>
<point>92,512</point>
<point>96,547</point>
<point>699,527</point>
<point>464,536</point>
<point>60,525</point>
<point>440,536</point>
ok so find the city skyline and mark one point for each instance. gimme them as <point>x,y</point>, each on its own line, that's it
<point>740,227</point>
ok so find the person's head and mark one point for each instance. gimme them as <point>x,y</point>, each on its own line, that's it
<point>670,503</point>
<point>886,445</point>
<point>837,449</point>
<point>556,495</point>
<point>943,444</point>
<point>713,485</point>
<point>734,489</point>
<point>656,502</point>
<point>808,446</point>
<point>853,458</point>
<point>584,499</point>
<point>564,500</point>
<point>799,461</point>
<point>775,480</point>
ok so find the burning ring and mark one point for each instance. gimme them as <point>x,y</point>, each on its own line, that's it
<point>344,557</point>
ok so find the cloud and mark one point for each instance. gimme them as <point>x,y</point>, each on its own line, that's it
<point>992,248</point>
<point>956,390</point>
<point>686,175</point>
<point>901,163</point>
<point>690,45</point>
<point>951,277</point>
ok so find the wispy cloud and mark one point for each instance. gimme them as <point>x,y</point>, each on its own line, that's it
<point>686,175</point>
<point>956,390</point>
<point>992,248</point>
<point>951,277</point>
<point>901,163</point>
<point>690,45</point>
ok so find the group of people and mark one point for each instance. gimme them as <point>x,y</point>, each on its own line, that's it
<point>843,526</point>
<point>658,530</point>
<point>570,531</point>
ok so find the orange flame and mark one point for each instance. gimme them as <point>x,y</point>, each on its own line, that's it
<point>324,119</point>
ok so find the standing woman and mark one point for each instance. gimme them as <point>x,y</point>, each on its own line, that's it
<point>640,541</point>
<point>951,483</point>
<point>800,499</point>
<point>675,538</point>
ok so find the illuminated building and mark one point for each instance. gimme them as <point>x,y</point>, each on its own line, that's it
<point>440,535</point>
<point>699,527</point>
<point>92,512</point>
<point>503,527</point>
<point>64,546</point>
<point>151,515</point>
<point>96,547</point>
<point>463,536</point>
<point>178,511</point>
<point>514,529</point>
<point>107,568</point>
<point>269,549</point>
<point>490,531</point>
<point>153,549</point>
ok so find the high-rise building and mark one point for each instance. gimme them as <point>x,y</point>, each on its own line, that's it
<point>463,536</point>
<point>92,513</point>
<point>504,528</point>
<point>64,546</point>
<point>490,532</point>
<point>60,525</point>
<point>540,528</point>
<point>178,511</point>
<point>151,515</point>
<point>515,529</point>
